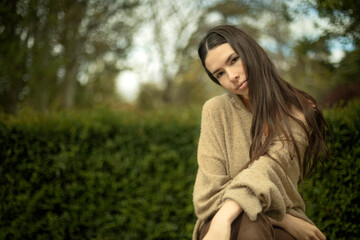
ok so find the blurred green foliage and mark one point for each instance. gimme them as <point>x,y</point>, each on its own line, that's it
<point>130,175</point>
<point>68,54</point>
<point>61,54</point>
<point>97,176</point>
<point>332,194</point>
<point>343,15</point>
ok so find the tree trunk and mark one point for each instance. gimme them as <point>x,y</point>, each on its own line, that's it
<point>70,87</point>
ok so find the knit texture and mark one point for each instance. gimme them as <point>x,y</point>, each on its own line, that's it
<point>265,186</point>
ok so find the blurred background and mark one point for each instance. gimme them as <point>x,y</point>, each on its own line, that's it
<point>100,107</point>
<point>125,54</point>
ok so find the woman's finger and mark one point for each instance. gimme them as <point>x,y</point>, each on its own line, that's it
<point>320,235</point>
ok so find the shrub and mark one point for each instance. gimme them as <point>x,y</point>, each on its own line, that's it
<point>101,175</point>
<point>97,176</point>
<point>332,194</point>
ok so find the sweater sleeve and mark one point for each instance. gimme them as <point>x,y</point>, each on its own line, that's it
<point>212,178</point>
<point>270,186</point>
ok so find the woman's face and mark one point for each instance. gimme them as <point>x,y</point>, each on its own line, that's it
<point>226,66</point>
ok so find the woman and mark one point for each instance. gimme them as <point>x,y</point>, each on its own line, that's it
<point>256,143</point>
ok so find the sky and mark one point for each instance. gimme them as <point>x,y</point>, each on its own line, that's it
<point>144,61</point>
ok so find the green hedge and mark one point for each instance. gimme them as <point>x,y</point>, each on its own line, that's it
<point>102,175</point>
<point>332,194</point>
<point>97,176</point>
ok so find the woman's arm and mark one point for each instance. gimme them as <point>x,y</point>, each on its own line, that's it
<point>212,177</point>
<point>298,228</point>
<point>272,178</point>
<point>220,227</point>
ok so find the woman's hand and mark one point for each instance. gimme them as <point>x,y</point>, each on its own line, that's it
<point>220,226</point>
<point>301,229</point>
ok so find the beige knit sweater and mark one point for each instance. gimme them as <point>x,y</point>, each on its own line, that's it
<point>223,149</point>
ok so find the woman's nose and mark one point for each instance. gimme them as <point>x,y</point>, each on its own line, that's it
<point>233,76</point>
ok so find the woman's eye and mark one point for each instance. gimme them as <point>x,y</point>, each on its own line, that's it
<point>234,60</point>
<point>219,75</point>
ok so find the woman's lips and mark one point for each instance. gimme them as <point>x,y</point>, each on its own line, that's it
<point>242,85</point>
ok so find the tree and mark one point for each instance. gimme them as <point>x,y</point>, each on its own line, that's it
<point>13,50</point>
<point>171,24</point>
<point>343,14</point>
<point>55,44</point>
<point>309,66</point>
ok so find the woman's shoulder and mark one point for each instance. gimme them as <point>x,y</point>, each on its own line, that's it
<point>295,126</point>
<point>216,109</point>
<point>298,114</point>
<point>223,103</point>
<point>216,103</point>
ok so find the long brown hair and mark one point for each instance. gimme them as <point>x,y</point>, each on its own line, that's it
<point>271,98</point>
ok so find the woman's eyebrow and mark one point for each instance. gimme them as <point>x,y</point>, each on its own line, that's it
<point>227,60</point>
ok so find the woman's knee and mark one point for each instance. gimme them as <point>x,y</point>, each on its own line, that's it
<point>245,229</point>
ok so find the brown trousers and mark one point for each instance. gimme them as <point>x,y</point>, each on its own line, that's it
<point>244,229</point>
